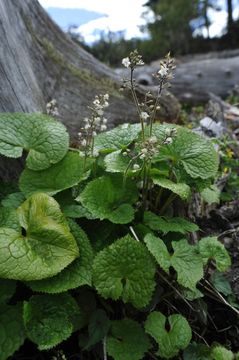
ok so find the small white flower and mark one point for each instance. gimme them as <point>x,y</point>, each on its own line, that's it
<point>106,104</point>
<point>142,157</point>
<point>103,127</point>
<point>83,142</point>
<point>100,112</point>
<point>140,63</point>
<point>163,71</point>
<point>97,120</point>
<point>79,134</point>
<point>86,120</point>
<point>87,126</point>
<point>153,140</point>
<point>124,153</point>
<point>94,133</point>
<point>144,151</point>
<point>168,132</point>
<point>168,141</point>
<point>55,112</point>
<point>106,97</point>
<point>126,62</point>
<point>96,101</point>
<point>144,115</point>
<point>136,167</point>
<point>104,121</point>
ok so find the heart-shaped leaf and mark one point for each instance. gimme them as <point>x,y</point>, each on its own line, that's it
<point>43,248</point>
<point>127,340</point>
<point>50,319</point>
<point>125,270</point>
<point>171,340</point>
<point>46,139</point>
<point>109,198</point>
<point>68,172</point>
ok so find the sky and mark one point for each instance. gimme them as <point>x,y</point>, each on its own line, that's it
<point>117,15</point>
<point>120,15</point>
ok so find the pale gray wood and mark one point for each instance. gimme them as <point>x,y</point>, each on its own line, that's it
<point>197,76</point>
<point>38,62</point>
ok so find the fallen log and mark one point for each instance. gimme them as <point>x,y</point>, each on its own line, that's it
<point>197,76</point>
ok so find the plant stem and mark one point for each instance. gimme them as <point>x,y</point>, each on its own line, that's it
<point>176,290</point>
<point>136,102</point>
<point>104,348</point>
<point>167,203</point>
<point>152,118</point>
<point>158,198</point>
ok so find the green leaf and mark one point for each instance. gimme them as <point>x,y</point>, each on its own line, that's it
<point>197,352</point>
<point>63,175</point>
<point>78,273</point>
<point>180,189</point>
<point>194,153</point>
<point>211,248</point>
<point>127,341</point>
<point>167,224</point>
<point>192,294</point>
<point>12,334</point>
<point>172,341</point>
<point>46,139</point>
<point>7,289</point>
<point>109,198</point>
<point>118,138</point>
<point>49,319</point>
<point>188,263</point>
<point>159,250</point>
<point>185,260</point>
<point>211,195</point>
<point>115,162</point>
<point>13,200</point>
<point>98,328</point>
<point>9,219</point>
<point>125,270</point>
<point>220,282</point>
<point>76,211</point>
<point>220,353</point>
<point>44,247</point>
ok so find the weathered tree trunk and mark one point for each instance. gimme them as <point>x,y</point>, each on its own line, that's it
<point>39,62</point>
<point>229,16</point>
<point>198,76</point>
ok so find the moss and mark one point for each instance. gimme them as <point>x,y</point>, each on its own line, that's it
<point>85,75</point>
<point>52,53</point>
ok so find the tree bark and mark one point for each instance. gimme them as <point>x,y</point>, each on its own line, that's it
<point>229,16</point>
<point>38,62</point>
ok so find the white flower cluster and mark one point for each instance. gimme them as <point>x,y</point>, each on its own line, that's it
<point>52,109</point>
<point>134,59</point>
<point>163,70</point>
<point>149,148</point>
<point>95,123</point>
<point>165,73</point>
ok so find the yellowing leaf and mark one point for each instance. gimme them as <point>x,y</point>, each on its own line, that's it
<point>43,248</point>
